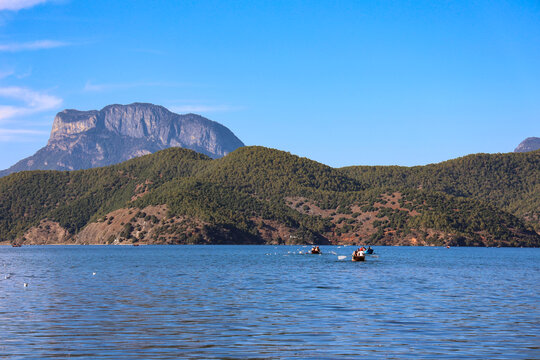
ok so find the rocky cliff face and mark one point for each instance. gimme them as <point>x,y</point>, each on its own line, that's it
<point>86,139</point>
<point>529,144</point>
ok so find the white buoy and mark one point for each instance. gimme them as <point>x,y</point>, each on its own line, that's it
<point>25,285</point>
<point>93,274</point>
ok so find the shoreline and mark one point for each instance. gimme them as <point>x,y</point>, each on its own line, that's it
<point>298,245</point>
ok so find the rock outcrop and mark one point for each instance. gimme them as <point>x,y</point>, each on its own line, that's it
<point>529,144</point>
<point>86,139</point>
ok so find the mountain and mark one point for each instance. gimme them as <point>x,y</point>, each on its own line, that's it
<point>254,195</point>
<point>529,144</point>
<point>116,133</point>
<point>509,181</point>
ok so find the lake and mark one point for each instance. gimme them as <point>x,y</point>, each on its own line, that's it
<point>169,302</point>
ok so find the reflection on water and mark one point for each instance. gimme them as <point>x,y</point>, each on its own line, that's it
<point>268,302</point>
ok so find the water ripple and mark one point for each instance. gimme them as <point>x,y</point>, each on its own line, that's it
<point>268,302</point>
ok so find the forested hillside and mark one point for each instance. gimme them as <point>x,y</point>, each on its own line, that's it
<point>258,195</point>
<point>510,181</point>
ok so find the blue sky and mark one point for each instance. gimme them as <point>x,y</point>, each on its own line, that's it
<point>340,82</point>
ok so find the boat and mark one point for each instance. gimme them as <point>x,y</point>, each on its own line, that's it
<point>315,250</point>
<point>358,258</point>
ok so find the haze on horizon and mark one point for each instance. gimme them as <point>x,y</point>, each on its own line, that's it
<point>348,83</point>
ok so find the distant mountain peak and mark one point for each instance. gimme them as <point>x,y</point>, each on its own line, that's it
<point>529,144</point>
<point>86,139</point>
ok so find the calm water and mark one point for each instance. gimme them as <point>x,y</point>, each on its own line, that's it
<point>165,302</point>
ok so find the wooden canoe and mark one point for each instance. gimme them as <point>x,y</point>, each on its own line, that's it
<point>358,258</point>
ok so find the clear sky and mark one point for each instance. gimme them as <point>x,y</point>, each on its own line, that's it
<point>341,82</point>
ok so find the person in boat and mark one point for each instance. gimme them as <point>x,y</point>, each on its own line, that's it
<point>358,252</point>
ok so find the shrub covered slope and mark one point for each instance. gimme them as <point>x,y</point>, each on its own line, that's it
<point>261,195</point>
